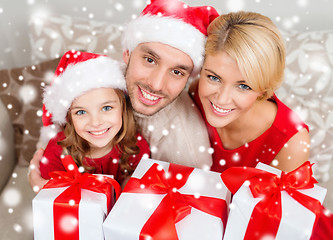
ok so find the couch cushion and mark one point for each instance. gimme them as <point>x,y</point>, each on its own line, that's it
<point>7,156</point>
<point>51,37</point>
<point>21,94</point>
<point>16,207</point>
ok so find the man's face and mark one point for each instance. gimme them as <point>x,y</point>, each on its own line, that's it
<point>156,74</point>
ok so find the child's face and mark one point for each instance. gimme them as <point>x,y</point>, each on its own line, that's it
<point>97,118</point>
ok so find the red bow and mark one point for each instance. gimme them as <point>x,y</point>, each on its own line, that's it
<point>67,203</point>
<point>266,215</point>
<point>174,206</point>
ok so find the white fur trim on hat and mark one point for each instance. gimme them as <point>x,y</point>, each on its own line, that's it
<point>47,133</point>
<point>77,79</point>
<point>167,30</point>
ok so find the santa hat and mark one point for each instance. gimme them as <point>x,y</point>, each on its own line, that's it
<point>173,23</point>
<point>76,73</point>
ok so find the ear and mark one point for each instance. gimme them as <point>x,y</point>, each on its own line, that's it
<point>126,56</point>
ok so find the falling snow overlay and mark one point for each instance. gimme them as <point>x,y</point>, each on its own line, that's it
<point>35,31</point>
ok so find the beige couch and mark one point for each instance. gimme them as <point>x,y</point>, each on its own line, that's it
<point>308,89</point>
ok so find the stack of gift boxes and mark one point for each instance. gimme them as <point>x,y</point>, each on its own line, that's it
<point>169,201</point>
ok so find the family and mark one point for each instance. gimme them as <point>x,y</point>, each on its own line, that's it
<point>108,117</point>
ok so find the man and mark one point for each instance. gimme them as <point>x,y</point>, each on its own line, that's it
<point>163,48</point>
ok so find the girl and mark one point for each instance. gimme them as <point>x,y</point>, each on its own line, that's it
<point>87,103</point>
<point>244,65</point>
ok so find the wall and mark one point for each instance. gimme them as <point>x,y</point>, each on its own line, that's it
<point>300,15</point>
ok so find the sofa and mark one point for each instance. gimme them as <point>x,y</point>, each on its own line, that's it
<point>308,89</point>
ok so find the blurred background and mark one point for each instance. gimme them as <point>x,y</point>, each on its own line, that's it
<point>300,15</point>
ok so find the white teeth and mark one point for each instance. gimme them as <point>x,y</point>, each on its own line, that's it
<point>99,133</point>
<point>148,96</point>
<point>221,110</point>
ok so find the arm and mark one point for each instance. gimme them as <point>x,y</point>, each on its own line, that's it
<point>34,176</point>
<point>295,152</point>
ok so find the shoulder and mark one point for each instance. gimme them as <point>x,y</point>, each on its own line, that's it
<point>142,144</point>
<point>287,119</point>
<point>53,142</point>
<point>295,152</point>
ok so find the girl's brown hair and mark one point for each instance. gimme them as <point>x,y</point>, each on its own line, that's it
<point>126,139</point>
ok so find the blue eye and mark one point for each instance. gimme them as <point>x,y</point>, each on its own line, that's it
<point>106,108</point>
<point>244,87</point>
<point>80,112</point>
<point>213,78</point>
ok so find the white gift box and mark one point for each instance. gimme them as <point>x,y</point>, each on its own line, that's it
<point>132,210</point>
<point>296,222</point>
<point>92,212</point>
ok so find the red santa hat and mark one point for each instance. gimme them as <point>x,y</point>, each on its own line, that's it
<point>173,23</point>
<point>77,72</point>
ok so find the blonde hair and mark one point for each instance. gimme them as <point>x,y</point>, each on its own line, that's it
<point>256,45</point>
<point>125,139</point>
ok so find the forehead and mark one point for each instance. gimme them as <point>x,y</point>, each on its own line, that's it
<point>167,53</point>
<point>96,96</point>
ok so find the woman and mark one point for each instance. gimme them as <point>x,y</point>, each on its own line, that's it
<point>247,123</point>
<point>244,65</point>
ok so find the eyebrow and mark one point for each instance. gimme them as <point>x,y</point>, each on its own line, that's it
<point>155,54</point>
<point>214,73</point>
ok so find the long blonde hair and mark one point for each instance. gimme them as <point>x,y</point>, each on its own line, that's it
<point>125,139</point>
<point>255,43</point>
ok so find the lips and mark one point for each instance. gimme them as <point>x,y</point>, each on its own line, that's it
<point>148,98</point>
<point>220,111</point>
<point>99,133</point>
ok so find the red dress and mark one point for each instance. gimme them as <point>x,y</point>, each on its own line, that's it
<point>108,164</point>
<point>264,149</point>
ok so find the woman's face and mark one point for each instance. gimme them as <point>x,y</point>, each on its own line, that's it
<point>97,117</point>
<point>223,91</point>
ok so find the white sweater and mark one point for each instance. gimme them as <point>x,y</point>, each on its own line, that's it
<point>177,134</point>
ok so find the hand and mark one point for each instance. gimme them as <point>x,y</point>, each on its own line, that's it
<point>34,176</point>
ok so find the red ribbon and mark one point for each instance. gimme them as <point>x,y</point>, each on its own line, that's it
<point>174,206</point>
<point>66,205</point>
<point>266,215</point>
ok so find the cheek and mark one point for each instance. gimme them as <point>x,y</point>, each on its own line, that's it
<point>205,89</point>
<point>176,87</point>
<point>115,118</point>
<point>245,101</point>
<point>78,124</point>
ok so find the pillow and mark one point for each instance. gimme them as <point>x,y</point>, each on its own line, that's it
<point>21,94</point>
<point>308,90</point>
<point>51,37</point>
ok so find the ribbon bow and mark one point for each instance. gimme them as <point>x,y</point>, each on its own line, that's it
<point>67,203</point>
<point>266,215</point>
<point>174,206</point>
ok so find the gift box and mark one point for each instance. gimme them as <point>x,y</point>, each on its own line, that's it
<point>169,201</point>
<point>73,205</point>
<point>271,204</point>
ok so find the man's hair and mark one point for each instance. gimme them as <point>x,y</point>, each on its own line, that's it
<point>255,43</point>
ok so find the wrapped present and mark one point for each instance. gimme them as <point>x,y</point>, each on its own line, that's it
<point>73,205</point>
<point>169,201</point>
<point>271,204</point>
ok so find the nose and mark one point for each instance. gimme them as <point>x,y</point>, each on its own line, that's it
<point>157,79</point>
<point>96,120</point>
<point>224,95</point>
